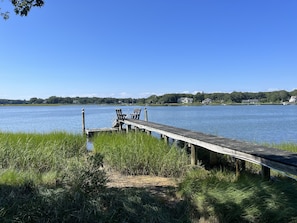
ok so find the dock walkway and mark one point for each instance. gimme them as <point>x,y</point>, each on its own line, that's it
<point>267,157</point>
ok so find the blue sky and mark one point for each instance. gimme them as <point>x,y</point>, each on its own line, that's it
<point>136,48</point>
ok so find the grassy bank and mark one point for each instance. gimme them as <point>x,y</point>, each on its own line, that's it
<point>52,178</point>
<point>37,156</point>
<point>138,153</point>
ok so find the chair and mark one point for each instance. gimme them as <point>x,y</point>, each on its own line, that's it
<point>120,115</point>
<point>135,114</point>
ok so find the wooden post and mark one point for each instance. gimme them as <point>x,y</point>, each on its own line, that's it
<point>145,115</point>
<point>166,138</point>
<point>120,125</point>
<point>237,167</point>
<point>265,173</point>
<point>83,121</point>
<point>128,128</point>
<point>193,155</point>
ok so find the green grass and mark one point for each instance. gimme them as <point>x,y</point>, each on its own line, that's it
<point>41,152</point>
<point>52,178</point>
<point>222,197</point>
<point>138,153</point>
<point>286,146</point>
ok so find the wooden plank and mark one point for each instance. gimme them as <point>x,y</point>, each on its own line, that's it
<point>270,157</point>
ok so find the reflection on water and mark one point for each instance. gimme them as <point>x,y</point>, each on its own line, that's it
<point>90,145</point>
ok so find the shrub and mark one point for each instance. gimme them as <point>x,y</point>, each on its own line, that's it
<point>86,176</point>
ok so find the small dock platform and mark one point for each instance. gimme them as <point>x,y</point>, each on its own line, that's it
<point>91,132</point>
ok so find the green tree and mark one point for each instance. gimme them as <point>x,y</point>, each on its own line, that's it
<point>237,96</point>
<point>199,97</point>
<point>169,98</point>
<point>36,100</point>
<point>152,99</point>
<point>293,93</point>
<point>22,7</point>
<point>53,100</point>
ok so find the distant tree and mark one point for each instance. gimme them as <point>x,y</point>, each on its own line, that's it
<point>152,99</point>
<point>199,97</point>
<point>284,95</point>
<point>36,101</point>
<point>293,93</point>
<point>22,7</point>
<point>141,100</point>
<point>53,100</point>
<point>169,98</point>
<point>237,96</point>
<point>277,96</point>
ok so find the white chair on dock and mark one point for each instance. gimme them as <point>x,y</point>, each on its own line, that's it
<point>135,114</point>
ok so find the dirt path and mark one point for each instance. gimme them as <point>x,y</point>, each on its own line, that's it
<point>161,187</point>
<point>118,180</point>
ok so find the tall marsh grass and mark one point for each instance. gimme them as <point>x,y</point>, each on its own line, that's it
<point>222,197</point>
<point>138,153</point>
<point>53,178</point>
<point>38,157</point>
<point>41,152</point>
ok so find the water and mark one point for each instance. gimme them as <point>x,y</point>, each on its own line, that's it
<point>266,123</point>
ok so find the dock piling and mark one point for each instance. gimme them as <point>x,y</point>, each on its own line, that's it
<point>145,115</point>
<point>193,155</point>
<point>83,121</point>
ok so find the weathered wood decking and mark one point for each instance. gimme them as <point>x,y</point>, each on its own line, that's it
<point>266,157</point>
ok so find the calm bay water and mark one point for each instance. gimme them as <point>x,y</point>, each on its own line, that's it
<point>266,123</point>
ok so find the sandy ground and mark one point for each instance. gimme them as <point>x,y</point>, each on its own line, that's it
<point>119,181</point>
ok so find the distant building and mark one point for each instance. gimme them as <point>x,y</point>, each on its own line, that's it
<point>250,101</point>
<point>293,99</point>
<point>185,100</point>
<point>206,101</point>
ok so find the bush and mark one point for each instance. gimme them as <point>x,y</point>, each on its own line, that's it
<point>86,177</point>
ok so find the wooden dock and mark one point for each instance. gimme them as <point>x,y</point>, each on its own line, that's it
<point>267,157</point>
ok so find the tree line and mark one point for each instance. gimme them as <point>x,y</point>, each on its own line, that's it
<point>275,97</point>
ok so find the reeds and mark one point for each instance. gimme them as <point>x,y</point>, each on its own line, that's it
<point>57,180</point>
<point>137,153</point>
<point>30,155</point>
